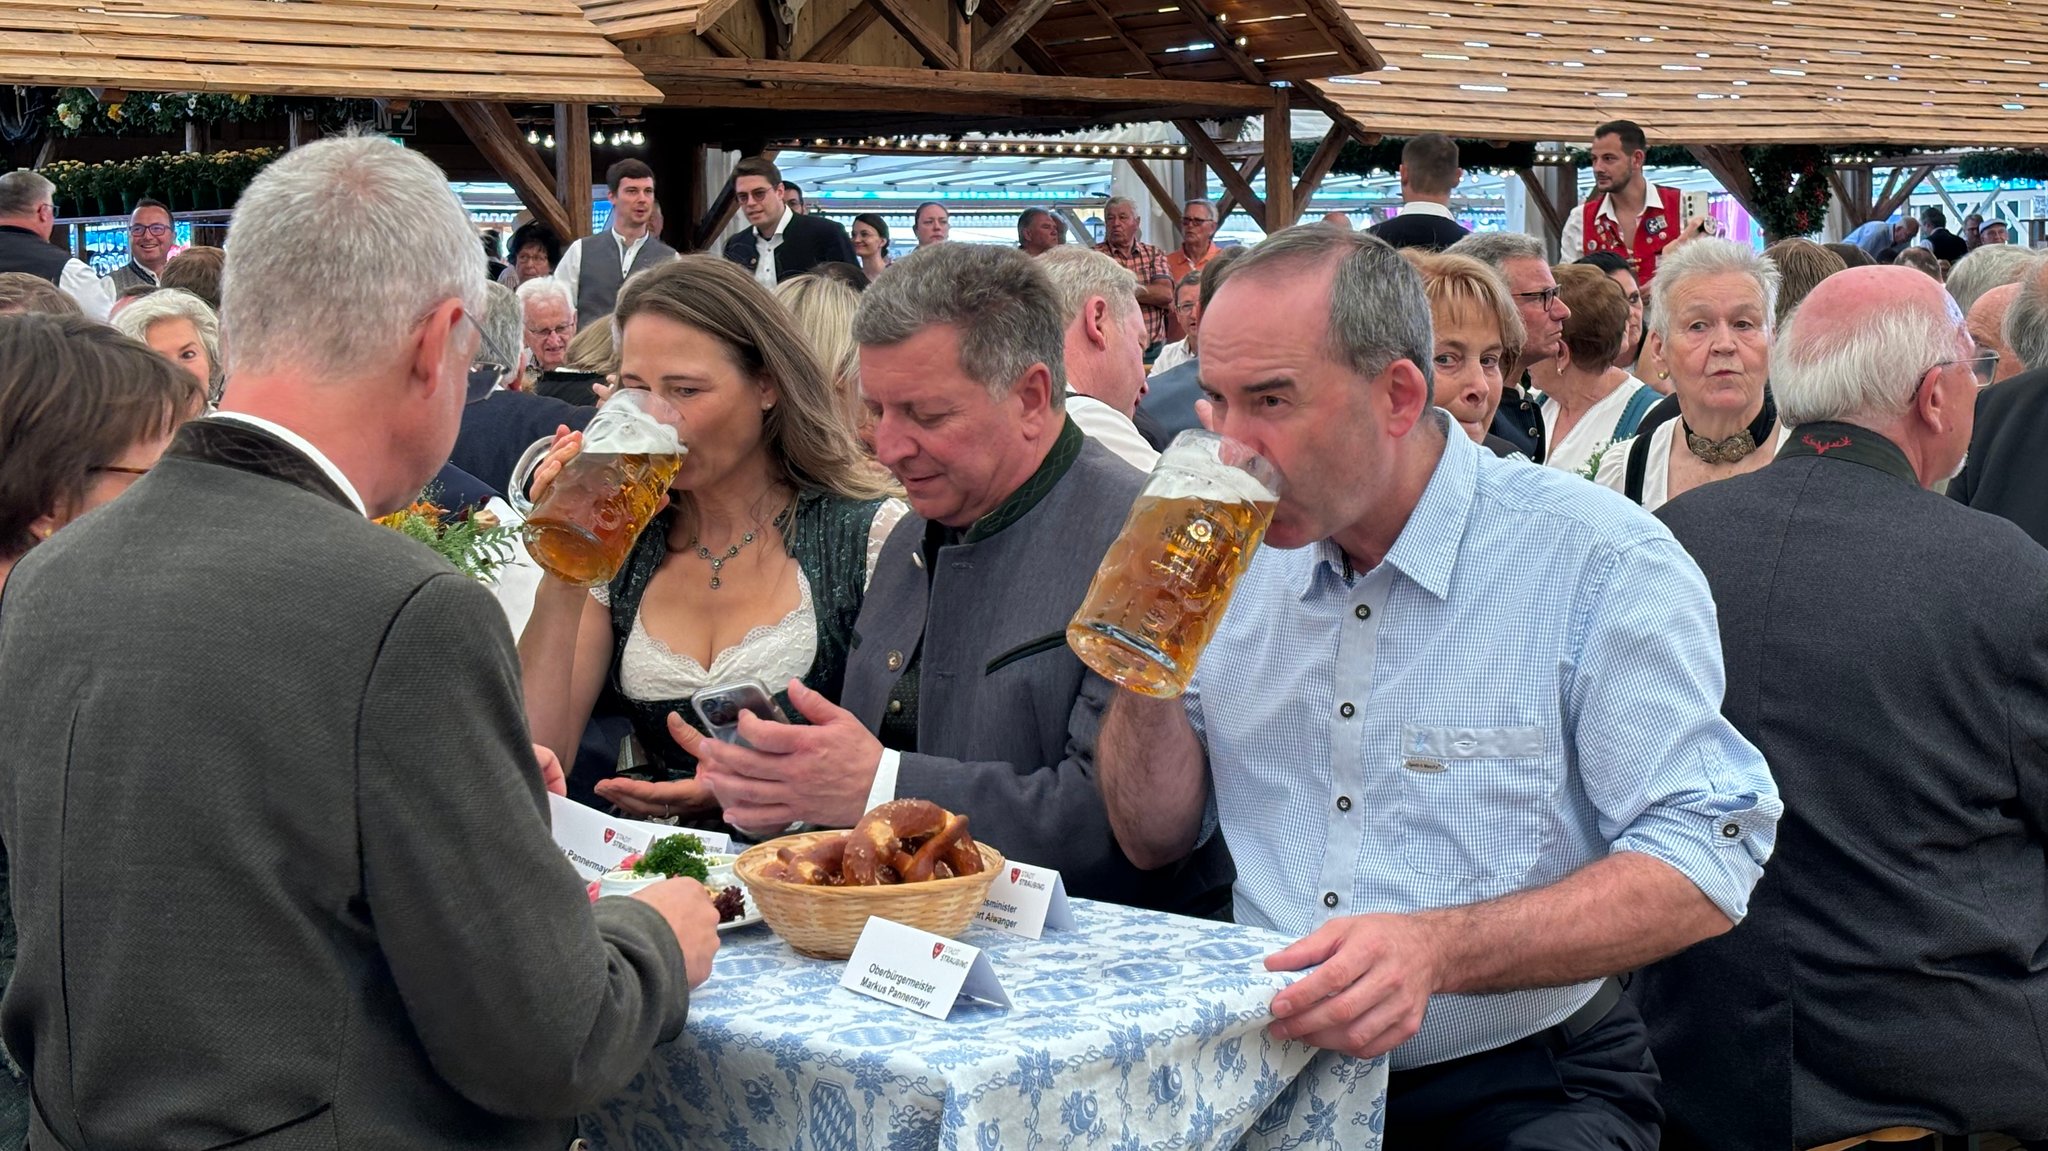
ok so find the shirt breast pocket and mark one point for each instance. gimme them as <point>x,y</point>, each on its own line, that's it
<point>1472,802</point>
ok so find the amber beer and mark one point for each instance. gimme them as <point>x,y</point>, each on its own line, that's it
<point>583,526</point>
<point>1164,583</point>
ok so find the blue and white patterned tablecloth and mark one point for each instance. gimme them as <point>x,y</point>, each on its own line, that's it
<point>1138,1030</point>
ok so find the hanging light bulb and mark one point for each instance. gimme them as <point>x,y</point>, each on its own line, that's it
<point>638,139</point>
<point>548,141</point>
<point>532,137</point>
<point>597,137</point>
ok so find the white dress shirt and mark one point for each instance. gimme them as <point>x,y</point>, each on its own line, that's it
<point>1112,429</point>
<point>1573,242</point>
<point>571,266</point>
<point>95,296</point>
<point>304,447</point>
<point>1426,208</point>
<point>764,266</point>
<point>1172,355</point>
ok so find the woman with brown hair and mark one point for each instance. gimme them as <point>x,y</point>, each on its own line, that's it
<point>1589,400</point>
<point>755,572</point>
<point>84,412</point>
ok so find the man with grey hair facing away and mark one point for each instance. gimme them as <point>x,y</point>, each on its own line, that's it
<point>2006,471</point>
<point>1105,349</point>
<point>268,897</point>
<point>28,214</point>
<point>1471,814</point>
<point>1986,268</point>
<point>1894,971</point>
<point>962,689</point>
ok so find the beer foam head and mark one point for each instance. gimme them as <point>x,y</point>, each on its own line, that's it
<point>1194,469</point>
<point>623,429</point>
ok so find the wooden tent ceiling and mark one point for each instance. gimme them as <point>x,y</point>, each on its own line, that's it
<point>527,50</point>
<point>1907,72</point>
<point>622,18</point>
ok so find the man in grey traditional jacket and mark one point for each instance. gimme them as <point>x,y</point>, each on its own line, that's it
<point>960,688</point>
<point>273,891</point>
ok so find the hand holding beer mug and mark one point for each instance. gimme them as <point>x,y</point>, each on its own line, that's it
<point>1164,583</point>
<point>582,525</point>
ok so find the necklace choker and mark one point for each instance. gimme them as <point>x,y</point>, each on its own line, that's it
<point>1737,447</point>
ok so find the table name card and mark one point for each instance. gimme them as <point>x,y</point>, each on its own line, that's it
<point>899,964</point>
<point>596,842</point>
<point>1025,900</point>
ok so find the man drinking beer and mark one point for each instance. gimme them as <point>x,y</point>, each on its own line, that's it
<point>960,687</point>
<point>1460,809</point>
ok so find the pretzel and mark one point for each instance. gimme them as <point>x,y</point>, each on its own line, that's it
<point>818,864</point>
<point>891,829</point>
<point>902,841</point>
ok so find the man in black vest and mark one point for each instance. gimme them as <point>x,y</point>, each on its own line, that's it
<point>1429,173</point>
<point>780,243</point>
<point>595,266</point>
<point>28,212</point>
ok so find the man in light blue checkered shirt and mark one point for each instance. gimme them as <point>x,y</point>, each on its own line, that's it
<point>1463,736</point>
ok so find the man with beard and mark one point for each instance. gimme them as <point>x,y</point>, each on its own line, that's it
<point>1626,214</point>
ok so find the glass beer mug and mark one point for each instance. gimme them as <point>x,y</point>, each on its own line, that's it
<point>582,528</point>
<point>1164,583</point>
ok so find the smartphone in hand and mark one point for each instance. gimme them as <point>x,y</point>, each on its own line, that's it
<point>720,707</point>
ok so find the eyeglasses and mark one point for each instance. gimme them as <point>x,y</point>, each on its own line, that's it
<point>121,470</point>
<point>1983,365</point>
<point>559,331</point>
<point>1196,220</point>
<point>1188,308</point>
<point>491,368</point>
<point>1548,295</point>
<point>754,196</point>
<point>154,231</point>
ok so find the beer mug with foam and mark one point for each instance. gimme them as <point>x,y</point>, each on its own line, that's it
<point>1164,583</point>
<point>582,528</point>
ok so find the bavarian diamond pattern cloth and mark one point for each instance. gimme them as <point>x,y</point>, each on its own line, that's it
<point>1136,1031</point>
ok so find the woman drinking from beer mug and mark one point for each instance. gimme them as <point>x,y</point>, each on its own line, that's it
<point>754,572</point>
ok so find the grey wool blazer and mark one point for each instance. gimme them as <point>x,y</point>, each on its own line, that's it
<point>272,894</point>
<point>1007,714</point>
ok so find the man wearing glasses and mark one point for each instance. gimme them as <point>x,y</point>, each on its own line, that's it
<point>1888,654</point>
<point>781,243</point>
<point>28,213</point>
<point>149,248</point>
<point>2004,473</point>
<point>1525,266</point>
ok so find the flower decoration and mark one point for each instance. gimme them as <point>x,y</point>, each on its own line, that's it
<point>476,545</point>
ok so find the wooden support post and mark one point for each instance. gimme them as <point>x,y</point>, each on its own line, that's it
<point>1157,187</point>
<point>1077,225</point>
<point>1280,207</point>
<point>1194,180</point>
<point>725,46</point>
<point>491,128</point>
<point>192,137</point>
<point>833,44</point>
<point>961,26</point>
<point>1554,213</point>
<point>1237,183</point>
<point>294,131</point>
<point>1319,166</point>
<point>1727,165</point>
<point>572,167</point>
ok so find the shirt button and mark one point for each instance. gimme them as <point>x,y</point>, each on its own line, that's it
<point>1329,899</point>
<point>895,707</point>
<point>1343,803</point>
<point>1346,710</point>
<point>1364,612</point>
<point>894,660</point>
<point>1731,830</point>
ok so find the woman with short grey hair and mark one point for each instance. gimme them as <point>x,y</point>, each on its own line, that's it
<point>182,329</point>
<point>1712,308</point>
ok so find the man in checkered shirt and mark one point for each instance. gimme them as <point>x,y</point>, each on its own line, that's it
<point>1155,280</point>
<point>1460,728</point>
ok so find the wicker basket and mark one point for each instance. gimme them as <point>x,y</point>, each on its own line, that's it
<point>825,922</point>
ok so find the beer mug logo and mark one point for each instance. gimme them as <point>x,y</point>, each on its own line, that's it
<point>1164,583</point>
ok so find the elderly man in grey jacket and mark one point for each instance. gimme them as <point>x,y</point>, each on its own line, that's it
<point>960,688</point>
<point>272,892</point>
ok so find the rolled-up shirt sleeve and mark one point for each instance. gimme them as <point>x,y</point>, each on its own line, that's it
<point>1669,776</point>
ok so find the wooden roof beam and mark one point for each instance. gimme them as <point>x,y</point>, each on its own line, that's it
<point>1228,201</point>
<point>1238,184</point>
<point>674,73</point>
<point>1010,29</point>
<point>1554,213</point>
<point>572,168</point>
<point>491,128</point>
<point>1204,22</point>
<point>1156,186</point>
<point>833,44</point>
<point>1319,166</point>
<point>1896,197</point>
<point>920,35</point>
<point>1117,32</point>
<point>1026,48</point>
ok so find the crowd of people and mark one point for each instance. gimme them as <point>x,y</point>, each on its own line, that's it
<point>1635,740</point>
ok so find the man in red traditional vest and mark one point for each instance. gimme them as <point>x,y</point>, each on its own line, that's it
<point>1626,214</point>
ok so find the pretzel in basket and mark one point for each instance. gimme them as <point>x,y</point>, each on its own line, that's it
<point>902,841</point>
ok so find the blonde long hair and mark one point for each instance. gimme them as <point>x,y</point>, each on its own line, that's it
<point>823,310</point>
<point>807,436</point>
